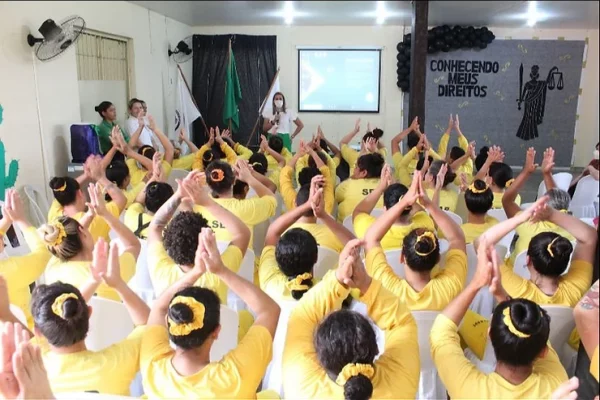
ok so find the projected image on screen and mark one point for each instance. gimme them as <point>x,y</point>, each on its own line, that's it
<point>334,80</point>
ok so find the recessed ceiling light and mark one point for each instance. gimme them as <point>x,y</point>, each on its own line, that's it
<point>533,16</point>
<point>381,12</point>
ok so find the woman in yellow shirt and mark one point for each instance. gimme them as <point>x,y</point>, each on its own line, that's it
<point>369,144</point>
<point>214,149</point>
<point>290,254</point>
<point>220,178</point>
<point>364,179</point>
<point>139,215</point>
<point>61,318</point>
<point>478,199</point>
<point>330,353</point>
<point>21,271</point>
<point>420,253</point>
<point>72,245</point>
<point>410,219</point>
<point>499,176</point>
<point>447,197</point>
<point>527,366</point>
<point>189,317</point>
<point>458,154</point>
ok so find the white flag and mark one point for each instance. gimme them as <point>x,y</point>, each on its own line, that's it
<point>186,111</point>
<point>268,104</point>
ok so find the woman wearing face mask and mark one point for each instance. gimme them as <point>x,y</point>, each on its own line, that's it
<point>592,169</point>
<point>282,117</point>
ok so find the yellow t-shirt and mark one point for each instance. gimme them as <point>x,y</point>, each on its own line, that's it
<point>288,193</point>
<point>473,231</point>
<point>594,364</point>
<point>230,156</point>
<point>395,235</point>
<point>322,234</point>
<point>185,162</point>
<point>77,273</point>
<point>272,162</point>
<point>132,220</point>
<point>401,169</point>
<point>571,286</point>
<point>242,152</point>
<point>250,211</point>
<point>108,371</point>
<point>528,230</point>
<point>448,199</point>
<point>463,143</point>
<point>272,280</point>
<point>164,272</point>
<point>131,194</point>
<point>436,295</point>
<point>303,163</point>
<point>464,381</point>
<point>98,227</point>
<point>21,271</point>
<point>137,173</point>
<point>351,192</point>
<point>498,200</point>
<point>237,375</point>
<point>396,370</point>
<point>351,156</point>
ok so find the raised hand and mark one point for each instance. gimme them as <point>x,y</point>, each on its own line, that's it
<point>537,211</point>
<point>112,277</point>
<point>242,170</point>
<point>181,136</point>
<point>317,203</point>
<point>414,125</point>
<point>316,183</point>
<point>211,137</point>
<point>484,272</point>
<point>530,165</point>
<point>548,161</point>
<point>441,176</point>
<point>94,167</point>
<point>414,191</point>
<point>210,255</point>
<point>190,188</point>
<point>450,123</point>
<point>456,122</point>
<point>264,144</point>
<point>386,178</point>
<point>151,123</point>
<point>99,263</point>
<point>357,125</point>
<point>141,120</point>
<point>371,145</point>
<point>346,260</point>
<point>13,207</point>
<point>97,203</point>
<point>218,137</point>
<point>13,335</point>
<point>567,390</point>
<point>423,197</point>
<point>471,150</point>
<point>226,134</point>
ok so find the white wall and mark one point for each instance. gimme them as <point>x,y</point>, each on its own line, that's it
<point>390,117</point>
<point>57,94</point>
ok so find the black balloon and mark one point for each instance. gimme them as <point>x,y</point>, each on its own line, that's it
<point>404,71</point>
<point>400,46</point>
<point>431,49</point>
<point>482,45</point>
<point>407,39</point>
<point>470,29</point>
<point>430,36</point>
<point>407,52</point>
<point>461,36</point>
<point>456,28</point>
<point>446,28</point>
<point>439,44</point>
<point>446,48</point>
<point>472,37</point>
<point>401,57</point>
<point>467,44</point>
<point>485,29</point>
<point>448,39</point>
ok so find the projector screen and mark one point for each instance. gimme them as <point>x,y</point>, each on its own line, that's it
<point>339,80</point>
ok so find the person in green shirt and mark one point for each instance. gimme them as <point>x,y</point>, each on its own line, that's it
<point>108,112</point>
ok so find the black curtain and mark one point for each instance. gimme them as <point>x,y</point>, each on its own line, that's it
<point>256,62</point>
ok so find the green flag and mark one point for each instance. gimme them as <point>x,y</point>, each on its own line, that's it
<point>233,95</point>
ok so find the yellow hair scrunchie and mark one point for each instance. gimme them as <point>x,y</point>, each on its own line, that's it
<point>473,189</point>
<point>509,324</point>
<point>62,188</point>
<point>352,370</point>
<point>256,164</point>
<point>549,247</point>
<point>57,305</point>
<point>146,149</point>
<point>509,182</point>
<point>198,310</point>
<point>296,283</point>
<point>427,234</point>
<point>62,234</point>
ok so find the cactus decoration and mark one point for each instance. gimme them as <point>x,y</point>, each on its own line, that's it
<point>7,181</point>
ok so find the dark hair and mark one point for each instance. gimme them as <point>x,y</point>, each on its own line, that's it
<point>296,253</point>
<point>240,189</point>
<point>102,107</point>
<point>207,157</point>
<point>71,244</point>
<point>456,153</point>
<point>183,314</point>
<point>259,163</point>
<point>64,189</point>
<point>412,140</point>
<point>481,157</point>
<point>306,175</point>
<point>147,151</point>
<point>157,193</point>
<point>117,172</point>
<point>528,318</point>
<point>67,329</point>
<point>378,133</point>
<point>393,194</point>
<point>180,237</point>
<point>412,244</point>
<point>133,101</point>
<point>346,337</point>
<point>500,174</point>
<point>549,253</point>
<point>324,146</point>
<point>372,163</point>
<point>434,169</point>
<point>302,197</point>
<point>421,161</point>
<point>322,156</point>
<point>284,103</point>
<point>479,203</point>
<point>219,177</point>
<point>276,143</point>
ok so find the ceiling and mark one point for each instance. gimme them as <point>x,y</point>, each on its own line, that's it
<point>510,14</point>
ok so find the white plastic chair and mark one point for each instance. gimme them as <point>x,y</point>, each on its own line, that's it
<point>258,236</point>
<point>175,174</point>
<point>326,261</point>
<point>430,384</point>
<point>140,282</point>
<point>377,212</point>
<point>589,221</point>
<point>562,324</point>
<point>562,180</point>
<point>393,259</point>
<point>455,217</point>
<point>273,376</point>
<point>103,334</point>
<point>520,265</point>
<point>484,302</point>
<point>246,271</point>
<point>228,335</point>
<point>582,203</point>
<point>38,204</point>
<point>497,213</point>
<point>348,224</point>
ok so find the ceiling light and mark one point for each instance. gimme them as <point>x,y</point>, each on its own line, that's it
<point>532,14</point>
<point>288,12</point>
<point>381,12</point>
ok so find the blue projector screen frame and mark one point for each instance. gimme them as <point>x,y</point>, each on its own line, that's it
<point>300,109</point>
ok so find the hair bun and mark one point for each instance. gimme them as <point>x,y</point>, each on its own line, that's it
<point>97,108</point>
<point>480,185</point>
<point>57,182</point>
<point>484,150</point>
<point>358,387</point>
<point>48,233</point>
<point>526,317</point>
<point>181,313</point>
<point>71,308</point>
<point>377,133</point>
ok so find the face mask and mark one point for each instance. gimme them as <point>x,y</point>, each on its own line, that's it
<point>596,154</point>
<point>278,103</point>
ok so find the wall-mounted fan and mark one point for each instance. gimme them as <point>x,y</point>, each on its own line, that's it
<point>183,51</point>
<point>56,37</point>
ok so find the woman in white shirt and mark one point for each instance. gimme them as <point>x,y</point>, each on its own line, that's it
<point>136,111</point>
<point>282,117</point>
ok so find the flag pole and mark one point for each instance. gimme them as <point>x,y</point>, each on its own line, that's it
<point>228,62</point>
<point>262,107</point>
<point>193,99</point>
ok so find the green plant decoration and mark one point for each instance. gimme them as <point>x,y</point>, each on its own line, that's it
<point>7,181</point>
